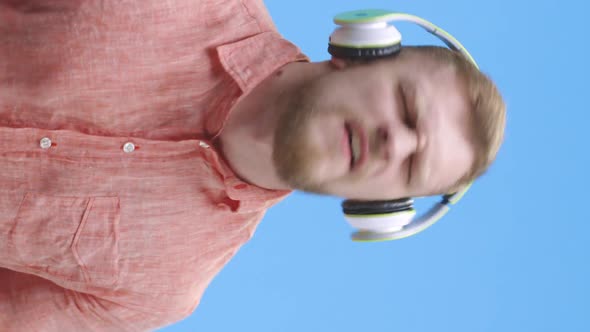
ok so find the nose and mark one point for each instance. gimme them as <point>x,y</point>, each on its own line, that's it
<point>396,143</point>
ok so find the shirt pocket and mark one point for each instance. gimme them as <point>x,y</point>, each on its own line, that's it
<point>68,239</point>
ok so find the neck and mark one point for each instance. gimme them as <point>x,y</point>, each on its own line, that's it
<point>247,138</point>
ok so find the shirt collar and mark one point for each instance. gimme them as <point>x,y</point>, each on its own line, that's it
<point>251,60</point>
<point>248,62</point>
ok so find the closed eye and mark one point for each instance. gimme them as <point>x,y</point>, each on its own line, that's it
<point>407,112</point>
<point>410,123</point>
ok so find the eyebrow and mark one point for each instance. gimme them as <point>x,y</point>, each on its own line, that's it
<point>417,170</point>
<point>412,114</point>
<point>425,157</point>
<point>401,92</point>
<point>421,166</point>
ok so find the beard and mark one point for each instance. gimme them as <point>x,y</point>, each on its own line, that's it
<point>294,155</point>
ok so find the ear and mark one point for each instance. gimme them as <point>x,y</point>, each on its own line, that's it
<point>339,63</point>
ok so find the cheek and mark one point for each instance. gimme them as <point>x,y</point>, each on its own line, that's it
<point>374,104</point>
<point>354,92</point>
<point>362,89</point>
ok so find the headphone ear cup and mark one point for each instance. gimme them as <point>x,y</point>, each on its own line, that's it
<point>364,35</point>
<point>379,216</point>
<point>356,207</point>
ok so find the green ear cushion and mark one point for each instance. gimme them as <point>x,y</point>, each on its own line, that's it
<point>362,16</point>
<point>372,237</point>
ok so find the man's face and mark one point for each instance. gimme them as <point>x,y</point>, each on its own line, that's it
<point>383,130</point>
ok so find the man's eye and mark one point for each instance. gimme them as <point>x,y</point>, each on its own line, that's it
<point>407,116</point>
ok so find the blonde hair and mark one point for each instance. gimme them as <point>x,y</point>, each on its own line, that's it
<point>488,117</point>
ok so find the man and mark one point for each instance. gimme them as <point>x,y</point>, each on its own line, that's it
<point>142,142</point>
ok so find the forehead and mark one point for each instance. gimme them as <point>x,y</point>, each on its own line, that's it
<point>445,124</point>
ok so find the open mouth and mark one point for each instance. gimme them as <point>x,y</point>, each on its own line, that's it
<point>354,142</point>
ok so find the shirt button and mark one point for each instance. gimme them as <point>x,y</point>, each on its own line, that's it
<point>45,143</point>
<point>129,147</point>
<point>203,144</point>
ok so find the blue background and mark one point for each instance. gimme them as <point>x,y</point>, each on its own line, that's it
<point>513,256</point>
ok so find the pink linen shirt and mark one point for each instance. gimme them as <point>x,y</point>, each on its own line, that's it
<point>116,210</point>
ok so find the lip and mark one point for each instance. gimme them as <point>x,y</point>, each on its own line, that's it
<point>358,130</point>
<point>346,147</point>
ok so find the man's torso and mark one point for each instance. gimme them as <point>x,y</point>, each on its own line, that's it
<point>125,198</point>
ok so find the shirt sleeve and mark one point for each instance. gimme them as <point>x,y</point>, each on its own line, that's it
<point>31,303</point>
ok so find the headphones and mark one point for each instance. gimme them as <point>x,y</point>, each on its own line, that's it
<point>368,35</point>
